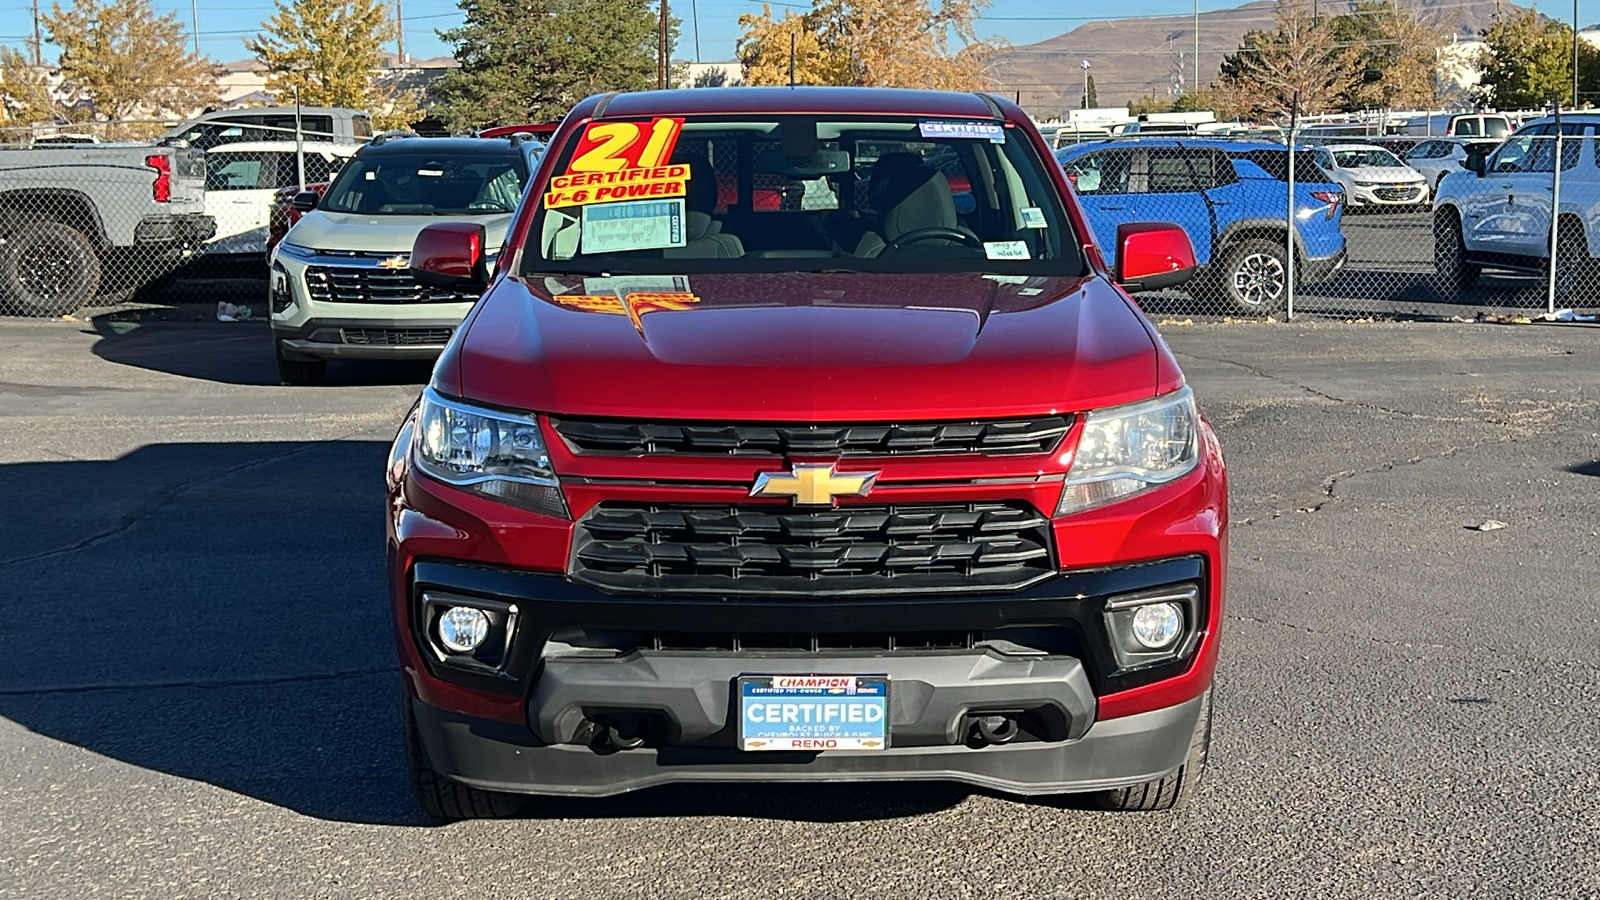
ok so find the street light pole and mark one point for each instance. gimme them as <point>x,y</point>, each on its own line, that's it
<point>1196,85</point>
<point>1574,54</point>
<point>1085,104</point>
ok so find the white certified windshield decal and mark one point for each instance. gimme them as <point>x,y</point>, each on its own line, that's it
<point>982,131</point>
<point>637,225</point>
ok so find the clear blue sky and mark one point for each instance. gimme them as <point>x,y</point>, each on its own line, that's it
<point>225,23</point>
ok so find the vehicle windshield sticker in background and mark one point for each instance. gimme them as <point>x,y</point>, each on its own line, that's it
<point>980,130</point>
<point>1032,217</point>
<point>621,161</point>
<point>1006,250</point>
<point>638,225</point>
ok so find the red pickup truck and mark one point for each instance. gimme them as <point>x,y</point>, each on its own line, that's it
<point>889,479</point>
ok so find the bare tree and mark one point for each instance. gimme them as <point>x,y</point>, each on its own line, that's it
<point>1303,58</point>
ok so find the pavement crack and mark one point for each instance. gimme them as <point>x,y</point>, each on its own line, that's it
<point>157,502</point>
<point>192,683</point>
<point>1324,395</point>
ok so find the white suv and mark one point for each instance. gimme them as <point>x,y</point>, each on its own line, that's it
<point>1498,214</point>
<point>341,285</point>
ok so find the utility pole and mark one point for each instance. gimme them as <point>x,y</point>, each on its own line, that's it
<point>399,35</point>
<point>38,44</point>
<point>194,13</point>
<point>1196,85</point>
<point>694,11</point>
<point>662,65</point>
<point>1574,54</point>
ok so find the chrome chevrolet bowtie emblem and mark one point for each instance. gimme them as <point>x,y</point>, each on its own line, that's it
<point>813,485</point>
<point>394,262</point>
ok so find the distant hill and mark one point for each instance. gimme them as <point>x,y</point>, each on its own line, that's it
<point>1133,57</point>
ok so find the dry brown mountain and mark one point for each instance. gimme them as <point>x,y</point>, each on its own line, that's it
<point>1130,58</point>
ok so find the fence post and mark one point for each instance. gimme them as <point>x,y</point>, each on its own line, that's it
<point>1288,233</point>
<point>1555,213</point>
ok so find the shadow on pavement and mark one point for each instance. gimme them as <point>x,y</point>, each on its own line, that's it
<point>226,352</point>
<point>217,612</point>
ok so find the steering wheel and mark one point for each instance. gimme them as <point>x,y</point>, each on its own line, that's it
<point>936,233</point>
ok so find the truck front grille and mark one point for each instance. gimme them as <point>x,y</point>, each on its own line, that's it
<point>765,551</point>
<point>365,284</point>
<point>633,438</point>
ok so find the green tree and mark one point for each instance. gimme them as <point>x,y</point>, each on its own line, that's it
<point>1397,56</point>
<point>329,49</point>
<point>129,62</point>
<point>25,97</point>
<point>531,60</point>
<point>1091,99</point>
<point>884,43</point>
<point>1529,60</point>
<point>1303,58</point>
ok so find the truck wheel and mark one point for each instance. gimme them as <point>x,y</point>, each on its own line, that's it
<point>302,373</point>
<point>1450,254</point>
<point>1172,790</point>
<point>48,269</point>
<point>1575,268</point>
<point>449,800</point>
<point>1254,277</point>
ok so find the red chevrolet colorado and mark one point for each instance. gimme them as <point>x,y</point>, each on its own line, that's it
<point>804,435</point>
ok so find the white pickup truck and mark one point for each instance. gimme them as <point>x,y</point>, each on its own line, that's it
<point>81,221</point>
<point>1499,212</point>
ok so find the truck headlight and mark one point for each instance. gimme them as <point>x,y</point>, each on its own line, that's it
<point>492,452</point>
<point>1127,449</point>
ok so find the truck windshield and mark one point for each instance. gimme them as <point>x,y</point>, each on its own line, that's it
<point>418,184</point>
<point>787,193</point>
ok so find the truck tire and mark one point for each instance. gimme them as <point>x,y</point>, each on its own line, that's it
<point>1455,274</point>
<point>448,800</point>
<point>301,373</point>
<point>1172,790</point>
<point>1253,277</point>
<point>1575,268</point>
<point>47,269</point>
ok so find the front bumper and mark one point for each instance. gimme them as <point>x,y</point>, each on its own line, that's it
<point>365,338</point>
<point>501,757</point>
<point>1388,195</point>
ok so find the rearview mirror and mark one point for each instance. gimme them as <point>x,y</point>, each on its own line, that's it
<point>449,255</point>
<point>1152,256</point>
<point>823,162</point>
<point>1477,161</point>
<point>304,201</point>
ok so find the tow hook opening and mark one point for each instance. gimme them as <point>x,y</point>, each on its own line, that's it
<point>992,728</point>
<point>614,733</point>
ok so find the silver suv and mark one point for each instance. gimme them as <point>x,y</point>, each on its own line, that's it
<point>341,285</point>
<point>1499,213</point>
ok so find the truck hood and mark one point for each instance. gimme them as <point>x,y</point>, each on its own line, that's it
<point>326,230</point>
<point>805,347</point>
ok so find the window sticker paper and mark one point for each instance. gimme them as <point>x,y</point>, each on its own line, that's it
<point>1006,250</point>
<point>982,131</point>
<point>634,225</point>
<point>1032,217</point>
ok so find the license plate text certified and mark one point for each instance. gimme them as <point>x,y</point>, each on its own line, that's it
<point>813,712</point>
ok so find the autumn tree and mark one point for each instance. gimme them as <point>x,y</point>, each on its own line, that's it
<point>1303,58</point>
<point>1397,56</point>
<point>128,61</point>
<point>328,49</point>
<point>531,60</point>
<point>884,43</point>
<point>25,97</point>
<point>1529,60</point>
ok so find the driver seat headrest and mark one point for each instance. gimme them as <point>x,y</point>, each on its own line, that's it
<point>917,198</point>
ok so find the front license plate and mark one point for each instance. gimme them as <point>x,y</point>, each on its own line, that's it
<point>814,712</point>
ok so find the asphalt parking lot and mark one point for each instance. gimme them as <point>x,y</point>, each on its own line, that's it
<point>198,696</point>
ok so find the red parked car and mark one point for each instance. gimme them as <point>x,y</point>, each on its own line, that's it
<point>888,479</point>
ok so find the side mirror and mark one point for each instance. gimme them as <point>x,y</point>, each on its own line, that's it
<point>304,201</point>
<point>449,254</point>
<point>1477,161</point>
<point>1152,255</point>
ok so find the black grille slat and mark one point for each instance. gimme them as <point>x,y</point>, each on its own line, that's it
<point>362,284</point>
<point>395,337</point>
<point>1000,437</point>
<point>754,551</point>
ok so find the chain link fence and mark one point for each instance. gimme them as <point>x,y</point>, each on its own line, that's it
<point>98,214</point>
<point>1380,227</point>
<point>1427,227</point>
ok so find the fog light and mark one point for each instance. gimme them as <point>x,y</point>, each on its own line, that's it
<point>463,628</point>
<point>1157,625</point>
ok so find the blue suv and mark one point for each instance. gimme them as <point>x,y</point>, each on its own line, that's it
<point>1230,196</point>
